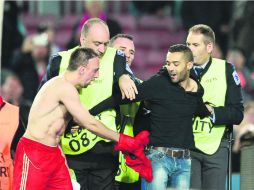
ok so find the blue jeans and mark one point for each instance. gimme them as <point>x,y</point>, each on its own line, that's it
<point>168,172</point>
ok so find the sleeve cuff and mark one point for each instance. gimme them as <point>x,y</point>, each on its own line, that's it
<point>212,117</point>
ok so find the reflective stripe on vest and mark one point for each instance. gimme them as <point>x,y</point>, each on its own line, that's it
<point>99,90</point>
<point>208,136</point>
<point>125,173</point>
<point>9,119</point>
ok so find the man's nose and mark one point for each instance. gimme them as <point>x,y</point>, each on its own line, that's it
<point>191,47</point>
<point>127,54</point>
<point>171,67</point>
<point>102,48</point>
<point>96,75</point>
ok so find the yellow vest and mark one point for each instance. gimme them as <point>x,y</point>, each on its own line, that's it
<point>99,90</point>
<point>208,136</point>
<point>9,121</point>
<point>126,174</point>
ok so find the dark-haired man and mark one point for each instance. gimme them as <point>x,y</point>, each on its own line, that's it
<point>174,99</point>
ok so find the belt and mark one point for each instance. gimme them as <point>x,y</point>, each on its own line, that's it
<point>173,153</point>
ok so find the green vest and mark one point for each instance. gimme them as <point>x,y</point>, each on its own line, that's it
<point>208,136</point>
<point>99,90</point>
<point>126,174</point>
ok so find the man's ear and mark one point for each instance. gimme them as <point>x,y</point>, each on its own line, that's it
<point>82,70</point>
<point>82,40</point>
<point>209,47</point>
<point>190,65</point>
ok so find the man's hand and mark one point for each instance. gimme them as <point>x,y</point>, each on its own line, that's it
<point>210,109</point>
<point>74,129</point>
<point>127,87</point>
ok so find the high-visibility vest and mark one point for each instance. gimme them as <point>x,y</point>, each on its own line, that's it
<point>208,136</point>
<point>99,90</point>
<point>126,174</point>
<point>9,121</point>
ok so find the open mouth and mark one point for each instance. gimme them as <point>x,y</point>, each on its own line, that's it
<point>172,75</point>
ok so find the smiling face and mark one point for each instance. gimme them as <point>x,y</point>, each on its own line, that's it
<point>177,66</point>
<point>127,46</point>
<point>200,48</point>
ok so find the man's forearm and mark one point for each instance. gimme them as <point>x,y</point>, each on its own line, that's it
<point>230,115</point>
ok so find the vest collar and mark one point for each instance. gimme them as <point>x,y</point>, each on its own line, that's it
<point>205,66</point>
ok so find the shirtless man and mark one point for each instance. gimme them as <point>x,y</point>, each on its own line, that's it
<point>39,162</point>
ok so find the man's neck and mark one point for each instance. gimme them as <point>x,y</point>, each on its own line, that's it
<point>70,77</point>
<point>203,65</point>
<point>189,85</point>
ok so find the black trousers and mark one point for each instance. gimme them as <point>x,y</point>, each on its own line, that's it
<point>100,179</point>
<point>208,172</point>
<point>128,186</point>
<point>95,169</point>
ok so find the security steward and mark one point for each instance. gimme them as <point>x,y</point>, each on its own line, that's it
<point>222,94</point>
<point>8,128</point>
<point>93,158</point>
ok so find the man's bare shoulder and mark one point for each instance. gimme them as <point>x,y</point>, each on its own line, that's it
<point>52,93</point>
<point>54,89</point>
<point>58,83</point>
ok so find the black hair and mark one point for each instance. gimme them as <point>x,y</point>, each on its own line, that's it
<point>183,49</point>
<point>80,57</point>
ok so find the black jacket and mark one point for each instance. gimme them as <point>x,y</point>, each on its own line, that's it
<point>232,113</point>
<point>172,110</point>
